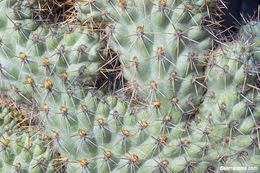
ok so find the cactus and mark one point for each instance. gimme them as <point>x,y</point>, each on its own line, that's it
<point>251,33</point>
<point>154,139</point>
<point>227,124</point>
<point>108,136</point>
<point>21,150</point>
<point>72,55</point>
<point>21,153</point>
<point>185,107</point>
<point>157,43</point>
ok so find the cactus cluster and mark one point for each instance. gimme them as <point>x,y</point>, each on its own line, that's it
<point>116,86</point>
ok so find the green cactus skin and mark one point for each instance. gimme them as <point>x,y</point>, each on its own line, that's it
<point>70,54</point>
<point>21,151</point>
<point>106,135</point>
<point>163,47</point>
<point>228,118</point>
<point>169,74</point>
